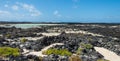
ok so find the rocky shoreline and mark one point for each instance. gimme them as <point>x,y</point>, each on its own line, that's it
<point>77,39</point>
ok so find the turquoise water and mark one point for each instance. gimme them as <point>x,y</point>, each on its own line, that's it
<point>31,25</point>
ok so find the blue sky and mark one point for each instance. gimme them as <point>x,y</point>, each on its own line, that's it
<point>60,10</point>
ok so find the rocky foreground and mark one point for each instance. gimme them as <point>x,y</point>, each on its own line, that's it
<point>61,43</point>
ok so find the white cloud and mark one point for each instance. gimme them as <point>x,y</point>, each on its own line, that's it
<point>15,7</point>
<point>4,15</point>
<point>6,5</point>
<point>56,13</point>
<point>36,13</point>
<point>19,11</point>
<point>30,8</point>
<point>4,12</point>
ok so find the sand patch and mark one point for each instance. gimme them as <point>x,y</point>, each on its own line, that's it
<point>109,55</point>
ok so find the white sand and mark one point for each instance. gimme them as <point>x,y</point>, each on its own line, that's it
<point>39,53</point>
<point>87,33</point>
<point>25,51</point>
<point>50,34</point>
<point>1,35</point>
<point>80,31</point>
<point>32,38</point>
<point>84,32</point>
<point>109,55</point>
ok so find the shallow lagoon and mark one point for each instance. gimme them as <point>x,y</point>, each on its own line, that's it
<point>28,25</point>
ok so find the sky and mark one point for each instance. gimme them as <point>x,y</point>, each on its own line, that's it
<point>60,10</point>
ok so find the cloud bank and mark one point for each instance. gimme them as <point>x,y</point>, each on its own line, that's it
<point>19,11</point>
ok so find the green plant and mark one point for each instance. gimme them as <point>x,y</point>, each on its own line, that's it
<point>102,60</point>
<point>89,39</point>
<point>61,52</point>
<point>79,51</point>
<point>75,58</point>
<point>8,35</point>
<point>86,46</point>
<point>23,40</point>
<point>6,51</point>
<point>40,58</point>
<point>89,46</point>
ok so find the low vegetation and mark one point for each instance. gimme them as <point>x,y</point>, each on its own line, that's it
<point>8,35</point>
<point>82,47</point>
<point>102,60</point>
<point>79,51</point>
<point>75,58</point>
<point>40,58</point>
<point>23,40</point>
<point>7,51</point>
<point>86,46</point>
<point>61,52</point>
